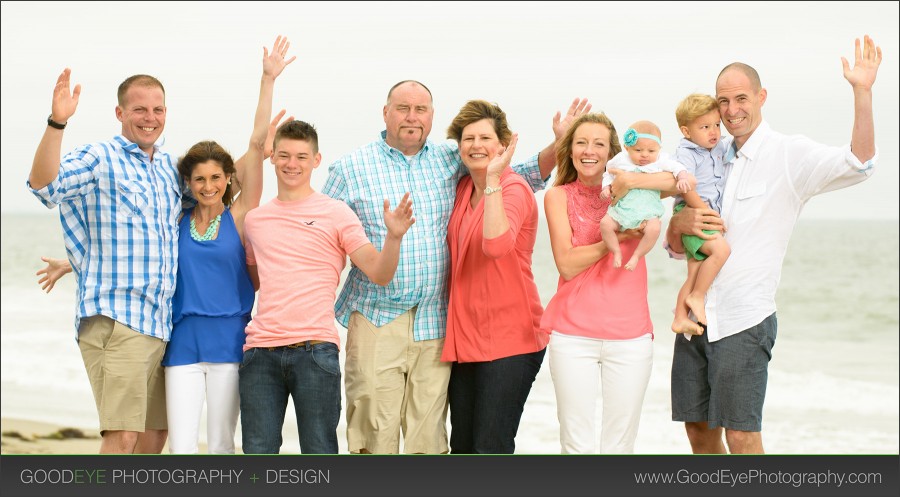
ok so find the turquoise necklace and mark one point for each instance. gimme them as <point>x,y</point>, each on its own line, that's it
<point>210,232</point>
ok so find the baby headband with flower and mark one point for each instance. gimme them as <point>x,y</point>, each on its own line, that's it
<point>631,137</point>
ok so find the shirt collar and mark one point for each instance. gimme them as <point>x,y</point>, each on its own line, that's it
<point>751,146</point>
<point>685,143</point>
<point>132,147</point>
<point>391,150</point>
<point>730,154</point>
<point>723,146</point>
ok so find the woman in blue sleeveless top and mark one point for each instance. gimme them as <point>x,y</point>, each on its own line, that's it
<point>211,307</point>
<point>213,293</point>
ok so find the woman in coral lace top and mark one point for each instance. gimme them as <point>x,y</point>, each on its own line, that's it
<point>599,317</point>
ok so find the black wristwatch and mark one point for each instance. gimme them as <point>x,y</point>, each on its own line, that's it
<point>54,124</point>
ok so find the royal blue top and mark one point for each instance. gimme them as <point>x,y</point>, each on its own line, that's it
<point>213,297</point>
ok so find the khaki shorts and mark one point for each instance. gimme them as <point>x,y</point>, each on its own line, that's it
<point>394,383</point>
<point>125,373</point>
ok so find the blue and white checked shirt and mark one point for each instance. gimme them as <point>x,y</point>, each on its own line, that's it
<point>119,217</point>
<point>367,176</point>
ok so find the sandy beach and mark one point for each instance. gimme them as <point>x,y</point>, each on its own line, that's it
<point>22,436</point>
<point>33,437</point>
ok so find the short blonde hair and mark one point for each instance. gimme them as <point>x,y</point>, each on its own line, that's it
<point>142,80</point>
<point>694,106</point>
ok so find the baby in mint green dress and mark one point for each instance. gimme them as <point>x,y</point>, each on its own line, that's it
<point>639,206</point>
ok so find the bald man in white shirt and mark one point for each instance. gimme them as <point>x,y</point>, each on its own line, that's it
<point>719,378</point>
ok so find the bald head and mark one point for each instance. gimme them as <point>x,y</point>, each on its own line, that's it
<point>408,83</point>
<point>744,69</point>
<point>648,128</point>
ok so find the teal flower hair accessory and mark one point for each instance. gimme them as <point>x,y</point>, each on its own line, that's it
<point>631,137</point>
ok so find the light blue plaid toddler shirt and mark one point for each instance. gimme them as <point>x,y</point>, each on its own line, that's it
<point>119,216</point>
<point>367,176</point>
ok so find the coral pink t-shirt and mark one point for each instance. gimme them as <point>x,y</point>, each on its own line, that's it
<point>299,248</point>
<point>601,302</point>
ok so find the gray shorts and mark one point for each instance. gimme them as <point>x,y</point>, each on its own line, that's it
<point>723,382</point>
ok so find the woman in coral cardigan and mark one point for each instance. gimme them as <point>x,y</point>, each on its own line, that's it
<point>494,338</point>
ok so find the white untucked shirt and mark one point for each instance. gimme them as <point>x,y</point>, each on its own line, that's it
<point>772,178</point>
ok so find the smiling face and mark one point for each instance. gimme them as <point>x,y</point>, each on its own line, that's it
<point>740,104</point>
<point>208,182</point>
<point>294,162</point>
<point>705,130</point>
<point>590,152</point>
<point>644,151</point>
<point>143,115</point>
<point>479,144</point>
<point>408,117</point>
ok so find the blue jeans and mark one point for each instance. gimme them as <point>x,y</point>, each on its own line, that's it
<point>311,374</point>
<point>487,400</point>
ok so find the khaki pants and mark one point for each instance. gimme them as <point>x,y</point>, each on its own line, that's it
<point>394,383</point>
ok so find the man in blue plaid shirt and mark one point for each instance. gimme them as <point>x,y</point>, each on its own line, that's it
<point>119,201</point>
<point>394,377</point>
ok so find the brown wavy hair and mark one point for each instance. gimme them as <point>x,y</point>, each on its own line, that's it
<point>476,110</point>
<point>206,151</point>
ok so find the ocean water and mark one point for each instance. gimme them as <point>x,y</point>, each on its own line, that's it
<point>833,379</point>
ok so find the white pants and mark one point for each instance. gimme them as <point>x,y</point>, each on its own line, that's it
<point>186,389</point>
<point>577,366</point>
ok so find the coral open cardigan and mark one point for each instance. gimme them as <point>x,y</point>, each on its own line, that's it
<point>495,310</point>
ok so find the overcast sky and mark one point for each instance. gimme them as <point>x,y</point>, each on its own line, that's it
<point>632,60</point>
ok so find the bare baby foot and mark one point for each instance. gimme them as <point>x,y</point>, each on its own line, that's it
<point>632,263</point>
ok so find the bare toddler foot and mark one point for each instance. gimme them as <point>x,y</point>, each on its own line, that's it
<point>697,304</point>
<point>685,325</point>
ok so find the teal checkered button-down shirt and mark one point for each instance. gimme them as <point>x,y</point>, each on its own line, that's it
<point>367,176</point>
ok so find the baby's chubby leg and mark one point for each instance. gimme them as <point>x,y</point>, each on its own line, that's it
<point>608,228</point>
<point>651,234</point>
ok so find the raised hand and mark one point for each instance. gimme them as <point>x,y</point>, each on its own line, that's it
<point>269,145</point>
<point>561,124</point>
<point>56,269</point>
<point>866,60</point>
<point>501,161</point>
<point>65,101</point>
<point>400,219</point>
<point>275,62</point>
